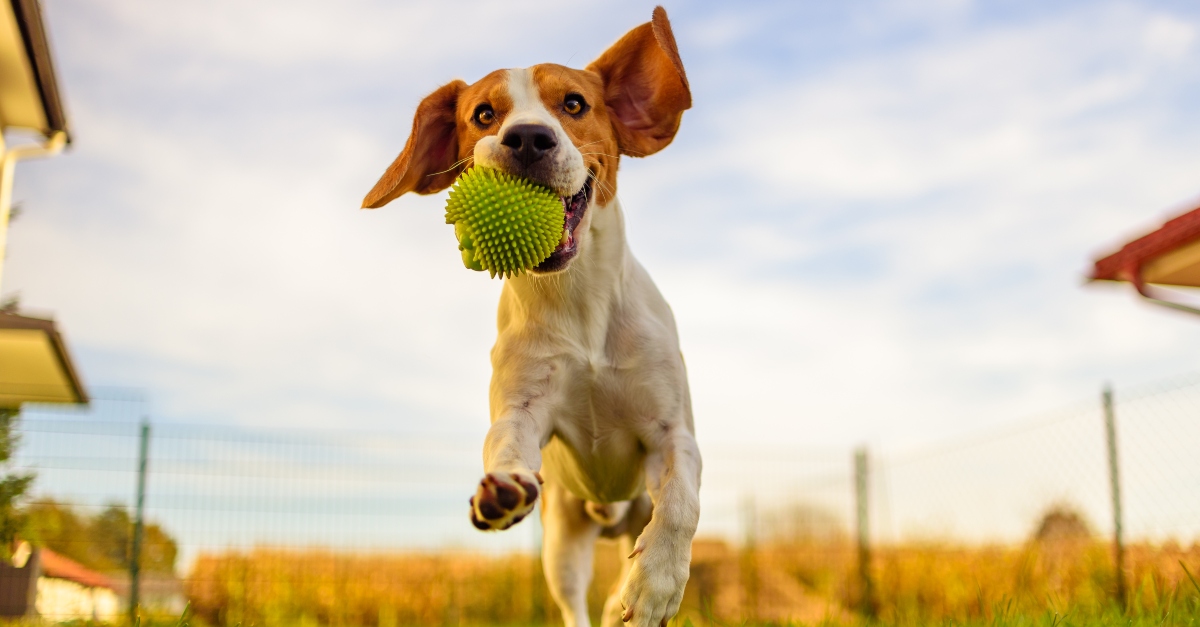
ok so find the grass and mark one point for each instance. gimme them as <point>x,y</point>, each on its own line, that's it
<point>1179,608</point>
<point>1058,584</point>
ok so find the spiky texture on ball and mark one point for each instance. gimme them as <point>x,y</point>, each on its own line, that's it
<point>504,224</point>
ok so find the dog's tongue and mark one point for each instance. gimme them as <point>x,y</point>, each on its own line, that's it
<point>573,207</point>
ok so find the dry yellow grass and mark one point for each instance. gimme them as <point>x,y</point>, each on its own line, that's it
<point>272,587</point>
<point>937,583</point>
<point>775,583</point>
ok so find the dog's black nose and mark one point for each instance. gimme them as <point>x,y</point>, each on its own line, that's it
<point>529,142</point>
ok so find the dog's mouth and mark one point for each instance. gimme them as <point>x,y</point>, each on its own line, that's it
<point>573,207</point>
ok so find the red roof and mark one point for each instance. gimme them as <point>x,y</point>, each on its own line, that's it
<point>59,567</point>
<point>1126,264</point>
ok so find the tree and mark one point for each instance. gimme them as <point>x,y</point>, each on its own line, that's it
<point>1062,523</point>
<point>101,542</point>
<point>12,486</point>
<point>112,537</point>
<point>60,527</point>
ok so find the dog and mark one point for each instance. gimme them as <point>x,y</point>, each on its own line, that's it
<point>589,390</point>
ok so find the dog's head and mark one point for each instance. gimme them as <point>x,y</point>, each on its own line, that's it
<point>561,127</point>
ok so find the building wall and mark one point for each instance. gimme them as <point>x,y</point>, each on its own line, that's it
<point>60,599</point>
<point>18,588</point>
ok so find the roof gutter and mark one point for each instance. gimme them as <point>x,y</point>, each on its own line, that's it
<point>28,14</point>
<point>1137,258</point>
<point>1156,296</point>
<point>52,146</point>
<point>1133,274</point>
<point>57,344</point>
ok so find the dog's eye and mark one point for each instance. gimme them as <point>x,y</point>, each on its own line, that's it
<point>574,104</point>
<point>484,115</point>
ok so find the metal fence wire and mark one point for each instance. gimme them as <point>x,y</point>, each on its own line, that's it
<point>319,527</point>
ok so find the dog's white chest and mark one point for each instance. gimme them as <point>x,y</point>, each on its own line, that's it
<point>595,451</point>
<point>606,472</point>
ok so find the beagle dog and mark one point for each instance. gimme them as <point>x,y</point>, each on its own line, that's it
<point>589,390</point>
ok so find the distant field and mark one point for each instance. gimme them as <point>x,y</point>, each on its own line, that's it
<point>1054,584</point>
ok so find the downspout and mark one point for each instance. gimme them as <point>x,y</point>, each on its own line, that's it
<point>1153,295</point>
<point>52,146</point>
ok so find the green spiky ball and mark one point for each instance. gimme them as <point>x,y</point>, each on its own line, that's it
<point>504,224</point>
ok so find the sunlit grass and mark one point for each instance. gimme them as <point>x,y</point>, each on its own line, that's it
<point>1051,584</point>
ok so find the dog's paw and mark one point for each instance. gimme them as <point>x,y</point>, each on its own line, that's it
<point>503,499</point>
<point>654,587</point>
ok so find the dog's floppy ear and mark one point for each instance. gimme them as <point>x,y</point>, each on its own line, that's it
<point>426,165</point>
<point>645,88</point>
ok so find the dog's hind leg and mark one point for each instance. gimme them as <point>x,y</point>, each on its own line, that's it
<point>568,544</point>
<point>626,532</point>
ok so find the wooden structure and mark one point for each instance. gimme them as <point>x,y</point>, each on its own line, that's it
<point>1167,256</point>
<point>34,363</point>
<point>44,584</point>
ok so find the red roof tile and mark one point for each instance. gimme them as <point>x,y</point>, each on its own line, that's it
<point>55,565</point>
<point>1125,264</point>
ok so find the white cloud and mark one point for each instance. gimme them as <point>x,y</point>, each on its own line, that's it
<point>969,109</point>
<point>873,247</point>
<point>1168,36</point>
<point>975,174</point>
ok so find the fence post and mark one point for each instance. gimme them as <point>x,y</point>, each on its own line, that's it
<point>749,562</point>
<point>867,604</point>
<point>1114,476</point>
<point>135,553</point>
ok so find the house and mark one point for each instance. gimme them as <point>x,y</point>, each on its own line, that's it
<point>42,583</point>
<point>66,590</point>
<point>1169,255</point>
<point>34,364</point>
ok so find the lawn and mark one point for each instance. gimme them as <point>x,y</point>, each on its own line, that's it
<point>1036,583</point>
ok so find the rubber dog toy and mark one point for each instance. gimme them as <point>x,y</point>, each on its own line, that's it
<point>504,224</point>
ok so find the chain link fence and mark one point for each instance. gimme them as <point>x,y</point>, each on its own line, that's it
<point>336,528</point>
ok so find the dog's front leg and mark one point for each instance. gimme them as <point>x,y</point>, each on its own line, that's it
<point>512,456</point>
<point>662,554</point>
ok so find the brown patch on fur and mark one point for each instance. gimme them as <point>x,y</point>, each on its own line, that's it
<point>491,90</point>
<point>443,136</point>
<point>637,92</point>
<point>591,131</point>
<point>646,90</point>
<point>431,148</point>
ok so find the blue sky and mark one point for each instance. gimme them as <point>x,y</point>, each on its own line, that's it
<point>873,226</point>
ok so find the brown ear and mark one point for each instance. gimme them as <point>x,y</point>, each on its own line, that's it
<point>426,165</point>
<point>645,88</point>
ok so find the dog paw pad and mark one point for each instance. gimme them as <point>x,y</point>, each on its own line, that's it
<point>503,500</point>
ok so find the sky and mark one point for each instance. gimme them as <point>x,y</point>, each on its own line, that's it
<point>874,225</point>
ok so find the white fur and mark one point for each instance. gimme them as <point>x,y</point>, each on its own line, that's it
<point>589,388</point>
